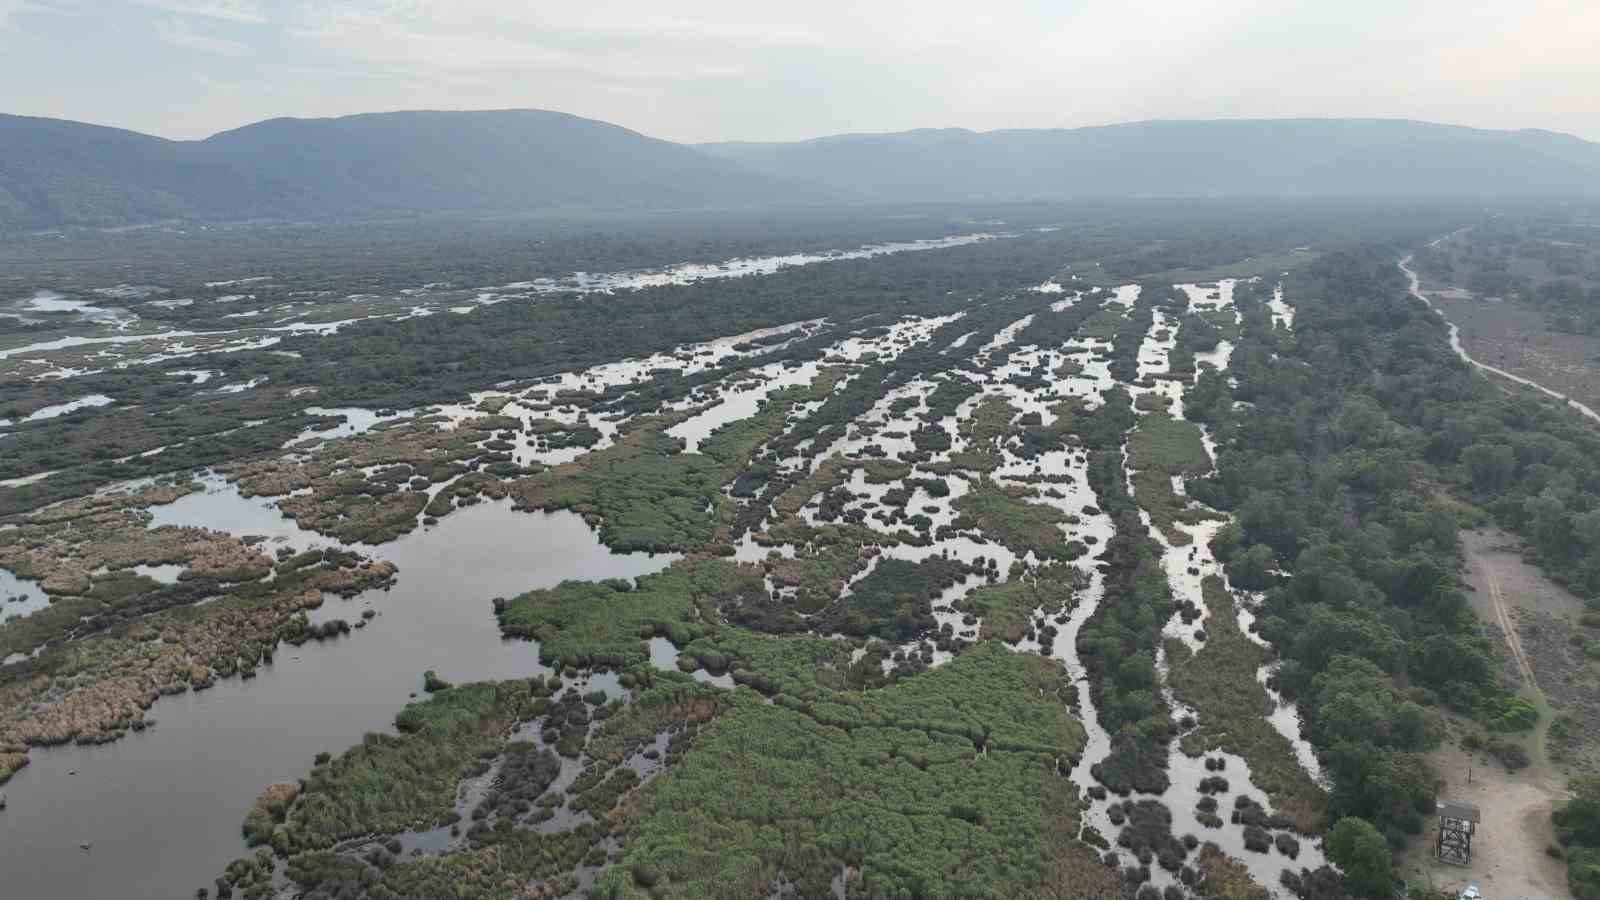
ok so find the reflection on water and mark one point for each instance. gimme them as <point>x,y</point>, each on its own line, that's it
<point>221,508</point>
<point>61,409</point>
<point>19,597</point>
<point>166,574</point>
<point>53,302</point>
<point>741,403</point>
<point>163,808</point>
<point>356,421</point>
<point>664,656</point>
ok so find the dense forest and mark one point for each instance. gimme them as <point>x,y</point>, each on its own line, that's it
<point>1362,446</point>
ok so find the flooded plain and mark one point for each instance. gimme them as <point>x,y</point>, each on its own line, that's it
<point>97,338</point>
<point>160,810</point>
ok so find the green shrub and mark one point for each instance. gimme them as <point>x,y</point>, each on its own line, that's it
<point>1515,714</point>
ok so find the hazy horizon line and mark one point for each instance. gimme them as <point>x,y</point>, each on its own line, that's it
<point>819,137</point>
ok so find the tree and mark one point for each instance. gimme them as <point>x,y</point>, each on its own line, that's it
<point>1227,541</point>
<point>1578,827</point>
<point>1492,466</point>
<point>1357,633</point>
<point>1252,569</point>
<point>1360,850</point>
<point>1579,821</point>
<point>1361,422</point>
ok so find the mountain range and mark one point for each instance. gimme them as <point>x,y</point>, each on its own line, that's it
<point>59,173</point>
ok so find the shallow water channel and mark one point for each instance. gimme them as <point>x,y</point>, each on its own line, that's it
<point>161,810</point>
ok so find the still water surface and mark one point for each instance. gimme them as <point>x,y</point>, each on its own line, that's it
<point>162,809</point>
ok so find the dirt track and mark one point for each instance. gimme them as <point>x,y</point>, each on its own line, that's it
<point>1497,602</point>
<point>1509,859</point>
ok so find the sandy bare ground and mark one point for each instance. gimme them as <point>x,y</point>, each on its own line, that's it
<point>1507,591</point>
<point>1509,859</point>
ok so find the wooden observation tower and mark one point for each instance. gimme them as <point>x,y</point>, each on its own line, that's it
<point>1457,823</point>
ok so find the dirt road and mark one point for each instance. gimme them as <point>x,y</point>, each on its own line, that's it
<point>1508,851</point>
<point>1455,343</point>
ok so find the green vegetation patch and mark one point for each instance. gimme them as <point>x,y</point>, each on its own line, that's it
<point>649,495</point>
<point>1159,449</point>
<point>581,623</point>
<point>949,394</point>
<point>326,490</point>
<point>894,601</point>
<point>498,871</point>
<point>145,644</point>
<point>1577,824</point>
<point>1166,507</point>
<point>884,471</point>
<point>964,463</point>
<point>354,510</point>
<point>645,493</point>
<point>1037,439</point>
<point>832,554</point>
<point>1168,445</point>
<point>389,783</point>
<point>1226,878</point>
<point>990,423</point>
<point>802,666</point>
<point>830,473</point>
<point>945,785</point>
<point>1102,326</point>
<point>1004,516</point>
<point>1007,608</point>
<point>1118,641</point>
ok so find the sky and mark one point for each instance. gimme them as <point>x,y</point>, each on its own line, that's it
<point>706,70</point>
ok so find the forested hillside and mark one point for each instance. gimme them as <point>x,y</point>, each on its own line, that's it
<point>55,173</point>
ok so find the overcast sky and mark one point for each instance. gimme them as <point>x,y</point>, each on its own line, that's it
<point>700,70</point>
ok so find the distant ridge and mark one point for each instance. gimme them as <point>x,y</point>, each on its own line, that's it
<point>55,172</point>
<point>59,173</point>
<point>1171,158</point>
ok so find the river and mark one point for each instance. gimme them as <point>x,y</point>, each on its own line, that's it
<point>162,810</point>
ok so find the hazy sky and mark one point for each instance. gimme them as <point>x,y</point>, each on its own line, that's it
<point>695,70</point>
